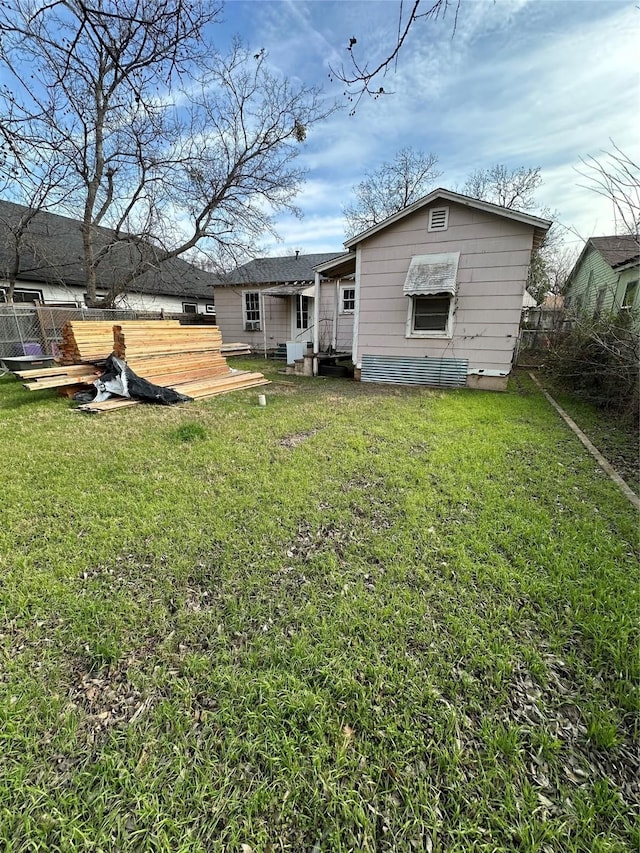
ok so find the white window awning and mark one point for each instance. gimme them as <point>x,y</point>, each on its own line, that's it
<point>430,275</point>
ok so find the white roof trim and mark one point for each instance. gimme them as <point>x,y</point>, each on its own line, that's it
<point>295,289</point>
<point>339,260</point>
<point>457,198</point>
<point>432,274</point>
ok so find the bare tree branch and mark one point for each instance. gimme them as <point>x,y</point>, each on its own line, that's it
<point>168,145</point>
<point>360,79</point>
<point>511,188</point>
<point>515,189</point>
<point>390,188</point>
<point>617,178</point>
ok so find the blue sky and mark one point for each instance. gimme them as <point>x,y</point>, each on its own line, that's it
<point>521,82</point>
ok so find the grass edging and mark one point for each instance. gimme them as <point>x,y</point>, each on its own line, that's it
<point>606,466</point>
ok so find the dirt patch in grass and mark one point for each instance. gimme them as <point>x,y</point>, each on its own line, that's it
<point>296,438</point>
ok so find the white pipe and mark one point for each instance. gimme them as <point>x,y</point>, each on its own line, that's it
<point>356,313</point>
<point>316,313</point>
<point>263,315</point>
<point>336,308</point>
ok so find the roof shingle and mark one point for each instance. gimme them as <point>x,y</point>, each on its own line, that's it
<point>617,250</point>
<point>289,268</point>
<point>52,252</point>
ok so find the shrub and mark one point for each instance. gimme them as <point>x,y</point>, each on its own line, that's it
<point>597,359</point>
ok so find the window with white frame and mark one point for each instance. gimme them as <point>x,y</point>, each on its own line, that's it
<point>431,287</point>
<point>630,294</point>
<point>347,300</point>
<point>430,315</point>
<point>302,311</point>
<point>438,219</point>
<point>20,295</point>
<point>189,308</point>
<point>251,310</point>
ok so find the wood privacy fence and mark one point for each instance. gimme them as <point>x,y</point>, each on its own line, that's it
<point>533,344</point>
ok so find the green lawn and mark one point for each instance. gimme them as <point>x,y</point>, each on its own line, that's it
<point>362,618</point>
<point>615,439</point>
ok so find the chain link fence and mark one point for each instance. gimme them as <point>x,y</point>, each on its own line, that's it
<point>37,331</point>
<point>28,330</point>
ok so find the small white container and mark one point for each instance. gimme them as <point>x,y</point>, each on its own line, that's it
<point>262,400</point>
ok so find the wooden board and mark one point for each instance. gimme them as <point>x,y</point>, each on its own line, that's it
<point>189,359</point>
<point>91,340</point>
<point>47,372</point>
<point>238,381</point>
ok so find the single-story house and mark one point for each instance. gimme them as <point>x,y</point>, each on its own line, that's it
<point>605,277</point>
<point>51,268</point>
<point>436,292</point>
<point>270,301</point>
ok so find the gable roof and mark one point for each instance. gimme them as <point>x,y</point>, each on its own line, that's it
<point>541,225</point>
<point>52,253</point>
<point>280,270</point>
<point>617,250</point>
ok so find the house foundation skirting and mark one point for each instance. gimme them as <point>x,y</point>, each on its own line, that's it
<point>487,383</point>
<point>407,370</point>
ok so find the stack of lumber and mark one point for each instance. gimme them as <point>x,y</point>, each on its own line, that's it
<point>131,343</point>
<point>235,349</point>
<point>188,359</point>
<point>93,340</point>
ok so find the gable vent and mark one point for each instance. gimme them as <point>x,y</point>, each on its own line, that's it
<point>438,219</point>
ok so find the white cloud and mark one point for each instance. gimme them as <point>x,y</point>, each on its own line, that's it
<point>521,82</point>
<point>312,234</point>
<point>507,97</point>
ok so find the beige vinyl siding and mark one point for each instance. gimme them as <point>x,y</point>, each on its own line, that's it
<point>229,316</point>
<point>492,273</point>
<point>336,328</point>
<point>473,244</point>
<point>326,314</point>
<point>275,319</point>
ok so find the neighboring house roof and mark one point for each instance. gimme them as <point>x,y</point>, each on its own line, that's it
<point>552,302</point>
<point>281,270</point>
<point>618,250</point>
<point>52,252</point>
<point>528,301</point>
<point>541,225</point>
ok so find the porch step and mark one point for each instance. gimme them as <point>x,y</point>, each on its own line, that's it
<point>280,352</point>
